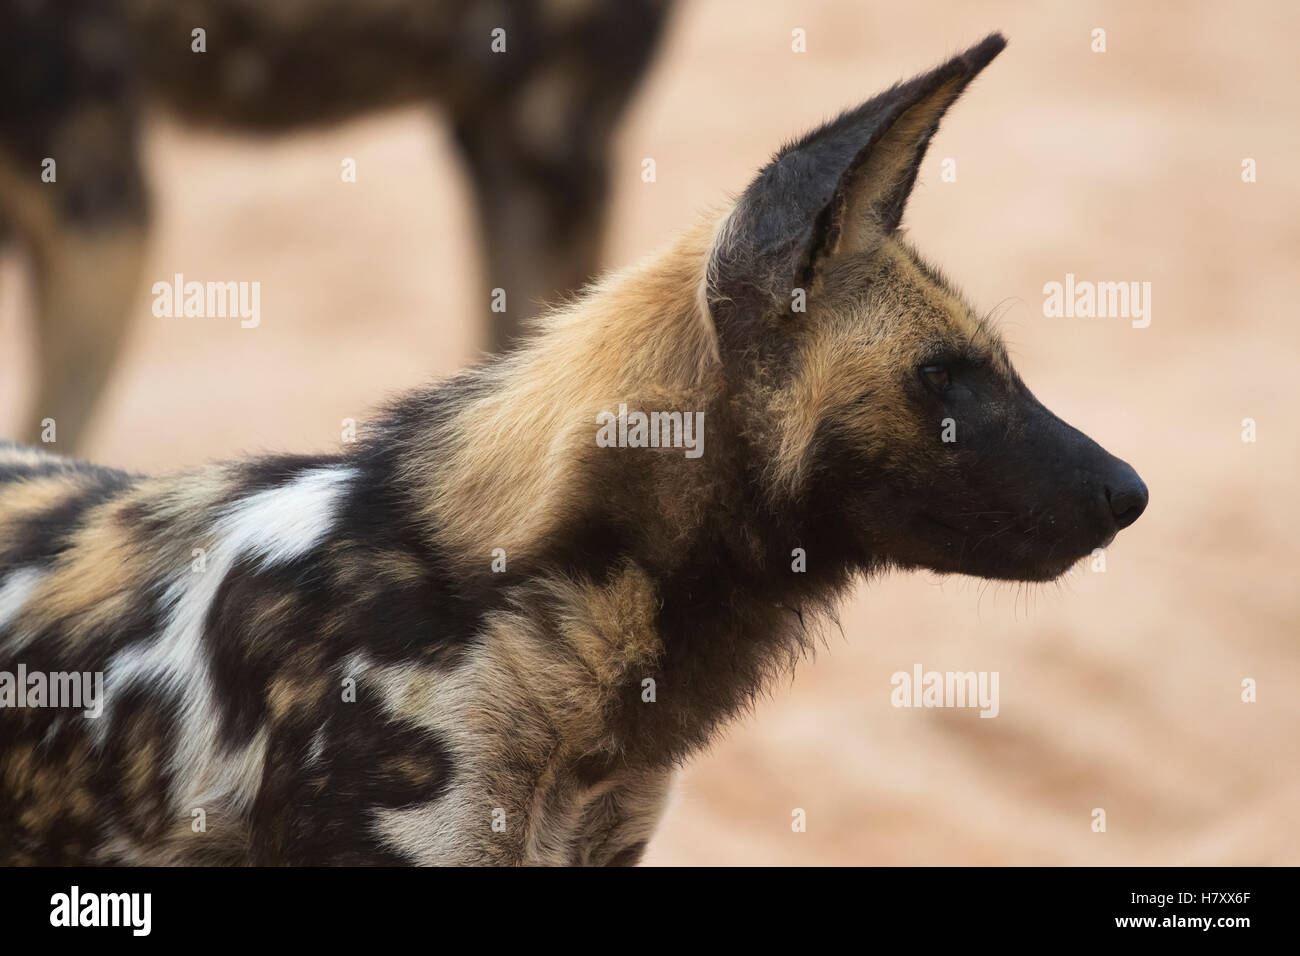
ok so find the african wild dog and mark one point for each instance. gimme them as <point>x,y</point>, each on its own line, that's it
<point>533,120</point>
<point>500,711</point>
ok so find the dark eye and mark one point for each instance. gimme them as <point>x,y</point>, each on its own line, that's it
<point>937,376</point>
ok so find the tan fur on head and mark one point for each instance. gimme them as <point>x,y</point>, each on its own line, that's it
<point>880,311</point>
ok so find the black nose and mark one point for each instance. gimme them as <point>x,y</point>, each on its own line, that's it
<point>1127,494</point>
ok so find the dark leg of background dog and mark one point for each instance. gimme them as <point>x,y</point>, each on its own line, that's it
<point>87,268</point>
<point>541,221</point>
<point>539,152</point>
<point>86,276</point>
<point>69,100</point>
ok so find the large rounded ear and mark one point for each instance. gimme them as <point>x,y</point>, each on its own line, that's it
<point>841,188</point>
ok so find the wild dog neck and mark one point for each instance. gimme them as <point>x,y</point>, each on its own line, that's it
<point>522,461</point>
<point>507,458</point>
<point>513,459</point>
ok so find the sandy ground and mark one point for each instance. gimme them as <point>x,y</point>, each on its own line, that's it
<point>1119,690</point>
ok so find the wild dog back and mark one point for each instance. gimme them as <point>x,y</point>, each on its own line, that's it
<point>286,680</point>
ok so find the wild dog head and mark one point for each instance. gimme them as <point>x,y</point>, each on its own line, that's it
<point>879,397</point>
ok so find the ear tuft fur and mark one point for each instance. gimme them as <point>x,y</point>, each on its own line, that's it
<point>847,180</point>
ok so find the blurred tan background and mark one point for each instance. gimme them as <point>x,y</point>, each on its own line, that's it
<point>1119,690</point>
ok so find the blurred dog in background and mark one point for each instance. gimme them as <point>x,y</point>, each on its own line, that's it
<point>533,89</point>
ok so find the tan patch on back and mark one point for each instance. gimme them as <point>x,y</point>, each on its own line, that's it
<point>21,501</point>
<point>102,573</point>
<point>93,583</point>
<point>299,687</point>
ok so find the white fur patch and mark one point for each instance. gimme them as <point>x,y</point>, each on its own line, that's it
<point>284,523</point>
<point>275,525</point>
<point>445,831</point>
<point>15,589</point>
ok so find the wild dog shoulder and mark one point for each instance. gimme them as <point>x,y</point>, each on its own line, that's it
<point>532,713</point>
